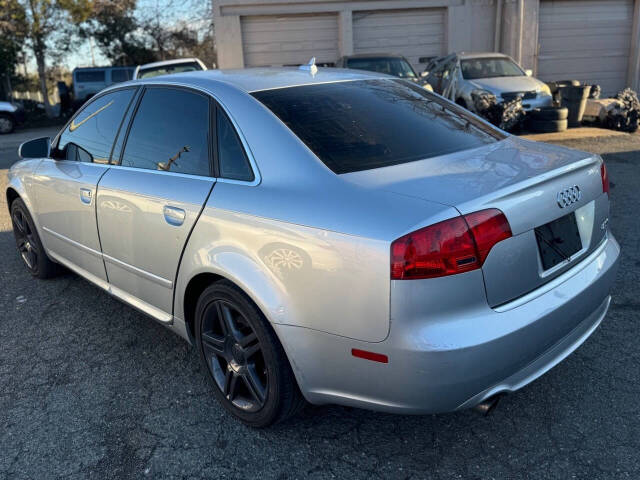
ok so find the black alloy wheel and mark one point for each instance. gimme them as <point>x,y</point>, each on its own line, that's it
<point>29,244</point>
<point>27,247</point>
<point>234,356</point>
<point>250,372</point>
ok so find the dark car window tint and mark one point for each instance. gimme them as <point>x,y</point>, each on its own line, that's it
<point>90,76</point>
<point>231,157</point>
<point>170,133</point>
<point>121,75</point>
<point>90,135</point>
<point>366,124</point>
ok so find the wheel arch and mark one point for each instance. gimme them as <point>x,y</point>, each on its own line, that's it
<point>12,194</point>
<point>194,288</point>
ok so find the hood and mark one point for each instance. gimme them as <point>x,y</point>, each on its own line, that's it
<point>498,85</point>
<point>7,107</point>
<point>469,175</point>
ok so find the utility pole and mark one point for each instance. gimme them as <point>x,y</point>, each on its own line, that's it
<point>93,58</point>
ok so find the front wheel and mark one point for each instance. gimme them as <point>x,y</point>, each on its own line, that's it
<point>29,244</point>
<point>251,375</point>
<point>7,124</point>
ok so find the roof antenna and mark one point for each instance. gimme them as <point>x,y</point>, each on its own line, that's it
<point>310,67</point>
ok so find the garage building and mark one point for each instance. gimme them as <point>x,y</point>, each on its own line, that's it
<point>595,41</point>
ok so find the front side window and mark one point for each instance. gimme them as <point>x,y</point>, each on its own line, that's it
<point>231,157</point>
<point>90,135</point>
<point>170,132</point>
<point>475,68</point>
<point>365,124</point>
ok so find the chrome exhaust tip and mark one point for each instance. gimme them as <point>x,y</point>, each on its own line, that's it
<point>485,408</point>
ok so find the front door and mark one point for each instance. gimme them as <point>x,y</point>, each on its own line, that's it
<point>65,186</point>
<point>147,206</point>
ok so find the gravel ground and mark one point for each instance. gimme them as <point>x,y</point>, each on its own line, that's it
<point>92,389</point>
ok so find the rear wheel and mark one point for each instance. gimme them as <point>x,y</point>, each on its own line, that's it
<point>29,244</point>
<point>7,123</point>
<point>248,367</point>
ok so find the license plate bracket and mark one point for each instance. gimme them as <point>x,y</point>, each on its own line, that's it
<point>558,240</point>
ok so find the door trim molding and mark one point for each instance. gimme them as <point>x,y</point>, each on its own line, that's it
<point>138,271</point>
<point>79,245</point>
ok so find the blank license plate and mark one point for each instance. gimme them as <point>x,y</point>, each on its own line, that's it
<point>558,240</point>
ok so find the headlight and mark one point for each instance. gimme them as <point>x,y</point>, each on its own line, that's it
<point>481,93</point>
<point>427,86</point>
<point>544,88</point>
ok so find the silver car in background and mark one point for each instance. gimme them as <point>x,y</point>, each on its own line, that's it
<point>461,75</point>
<point>336,236</point>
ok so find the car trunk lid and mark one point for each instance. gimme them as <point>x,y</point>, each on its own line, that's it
<point>522,179</point>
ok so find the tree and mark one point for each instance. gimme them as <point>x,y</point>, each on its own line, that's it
<point>113,25</point>
<point>48,28</point>
<point>12,28</point>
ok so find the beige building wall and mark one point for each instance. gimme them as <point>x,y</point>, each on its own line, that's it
<point>509,26</point>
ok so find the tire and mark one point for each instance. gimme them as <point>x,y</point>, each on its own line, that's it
<point>548,126</point>
<point>549,113</point>
<point>250,372</point>
<point>7,123</point>
<point>28,243</point>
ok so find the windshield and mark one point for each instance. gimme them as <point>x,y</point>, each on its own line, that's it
<point>489,68</point>
<point>365,124</point>
<point>398,67</point>
<point>167,69</point>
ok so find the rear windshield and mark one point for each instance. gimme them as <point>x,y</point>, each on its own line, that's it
<point>365,124</point>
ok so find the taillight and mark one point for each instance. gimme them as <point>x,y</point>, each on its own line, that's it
<point>453,246</point>
<point>605,178</point>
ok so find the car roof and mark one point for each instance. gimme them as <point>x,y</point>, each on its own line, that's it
<point>162,63</point>
<point>265,78</point>
<point>466,56</point>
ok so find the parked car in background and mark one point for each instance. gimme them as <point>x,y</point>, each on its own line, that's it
<point>10,116</point>
<point>87,81</point>
<point>395,65</point>
<point>166,67</point>
<point>460,75</point>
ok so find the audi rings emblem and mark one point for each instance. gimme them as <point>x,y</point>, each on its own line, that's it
<point>568,196</point>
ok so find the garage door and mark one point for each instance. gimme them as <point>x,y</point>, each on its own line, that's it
<point>586,40</point>
<point>275,40</point>
<point>413,33</point>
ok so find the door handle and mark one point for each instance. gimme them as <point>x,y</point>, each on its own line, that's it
<point>85,195</point>
<point>173,215</point>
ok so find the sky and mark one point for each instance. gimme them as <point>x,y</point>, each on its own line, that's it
<point>171,11</point>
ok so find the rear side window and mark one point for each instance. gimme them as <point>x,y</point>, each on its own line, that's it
<point>365,124</point>
<point>170,132</point>
<point>231,157</point>
<point>121,75</point>
<point>90,76</point>
<point>90,135</point>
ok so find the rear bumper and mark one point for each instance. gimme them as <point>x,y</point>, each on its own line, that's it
<point>448,350</point>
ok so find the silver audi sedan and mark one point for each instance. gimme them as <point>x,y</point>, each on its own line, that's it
<point>333,236</point>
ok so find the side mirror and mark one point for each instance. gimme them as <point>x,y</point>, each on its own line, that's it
<point>424,74</point>
<point>38,148</point>
<point>528,72</point>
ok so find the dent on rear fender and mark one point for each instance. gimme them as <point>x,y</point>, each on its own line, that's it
<point>297,275</point>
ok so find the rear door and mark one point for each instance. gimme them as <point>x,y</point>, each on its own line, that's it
<point>147,206</point>
<point>65,186</point>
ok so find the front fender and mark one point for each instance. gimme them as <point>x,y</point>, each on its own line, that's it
<point>20,181</point>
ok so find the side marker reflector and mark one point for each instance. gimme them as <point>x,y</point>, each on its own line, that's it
<point>374,357</point>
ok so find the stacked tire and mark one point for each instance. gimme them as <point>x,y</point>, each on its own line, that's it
<point>548,119</point>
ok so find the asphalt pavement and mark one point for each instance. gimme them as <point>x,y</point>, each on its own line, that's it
<point>89,388</point>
